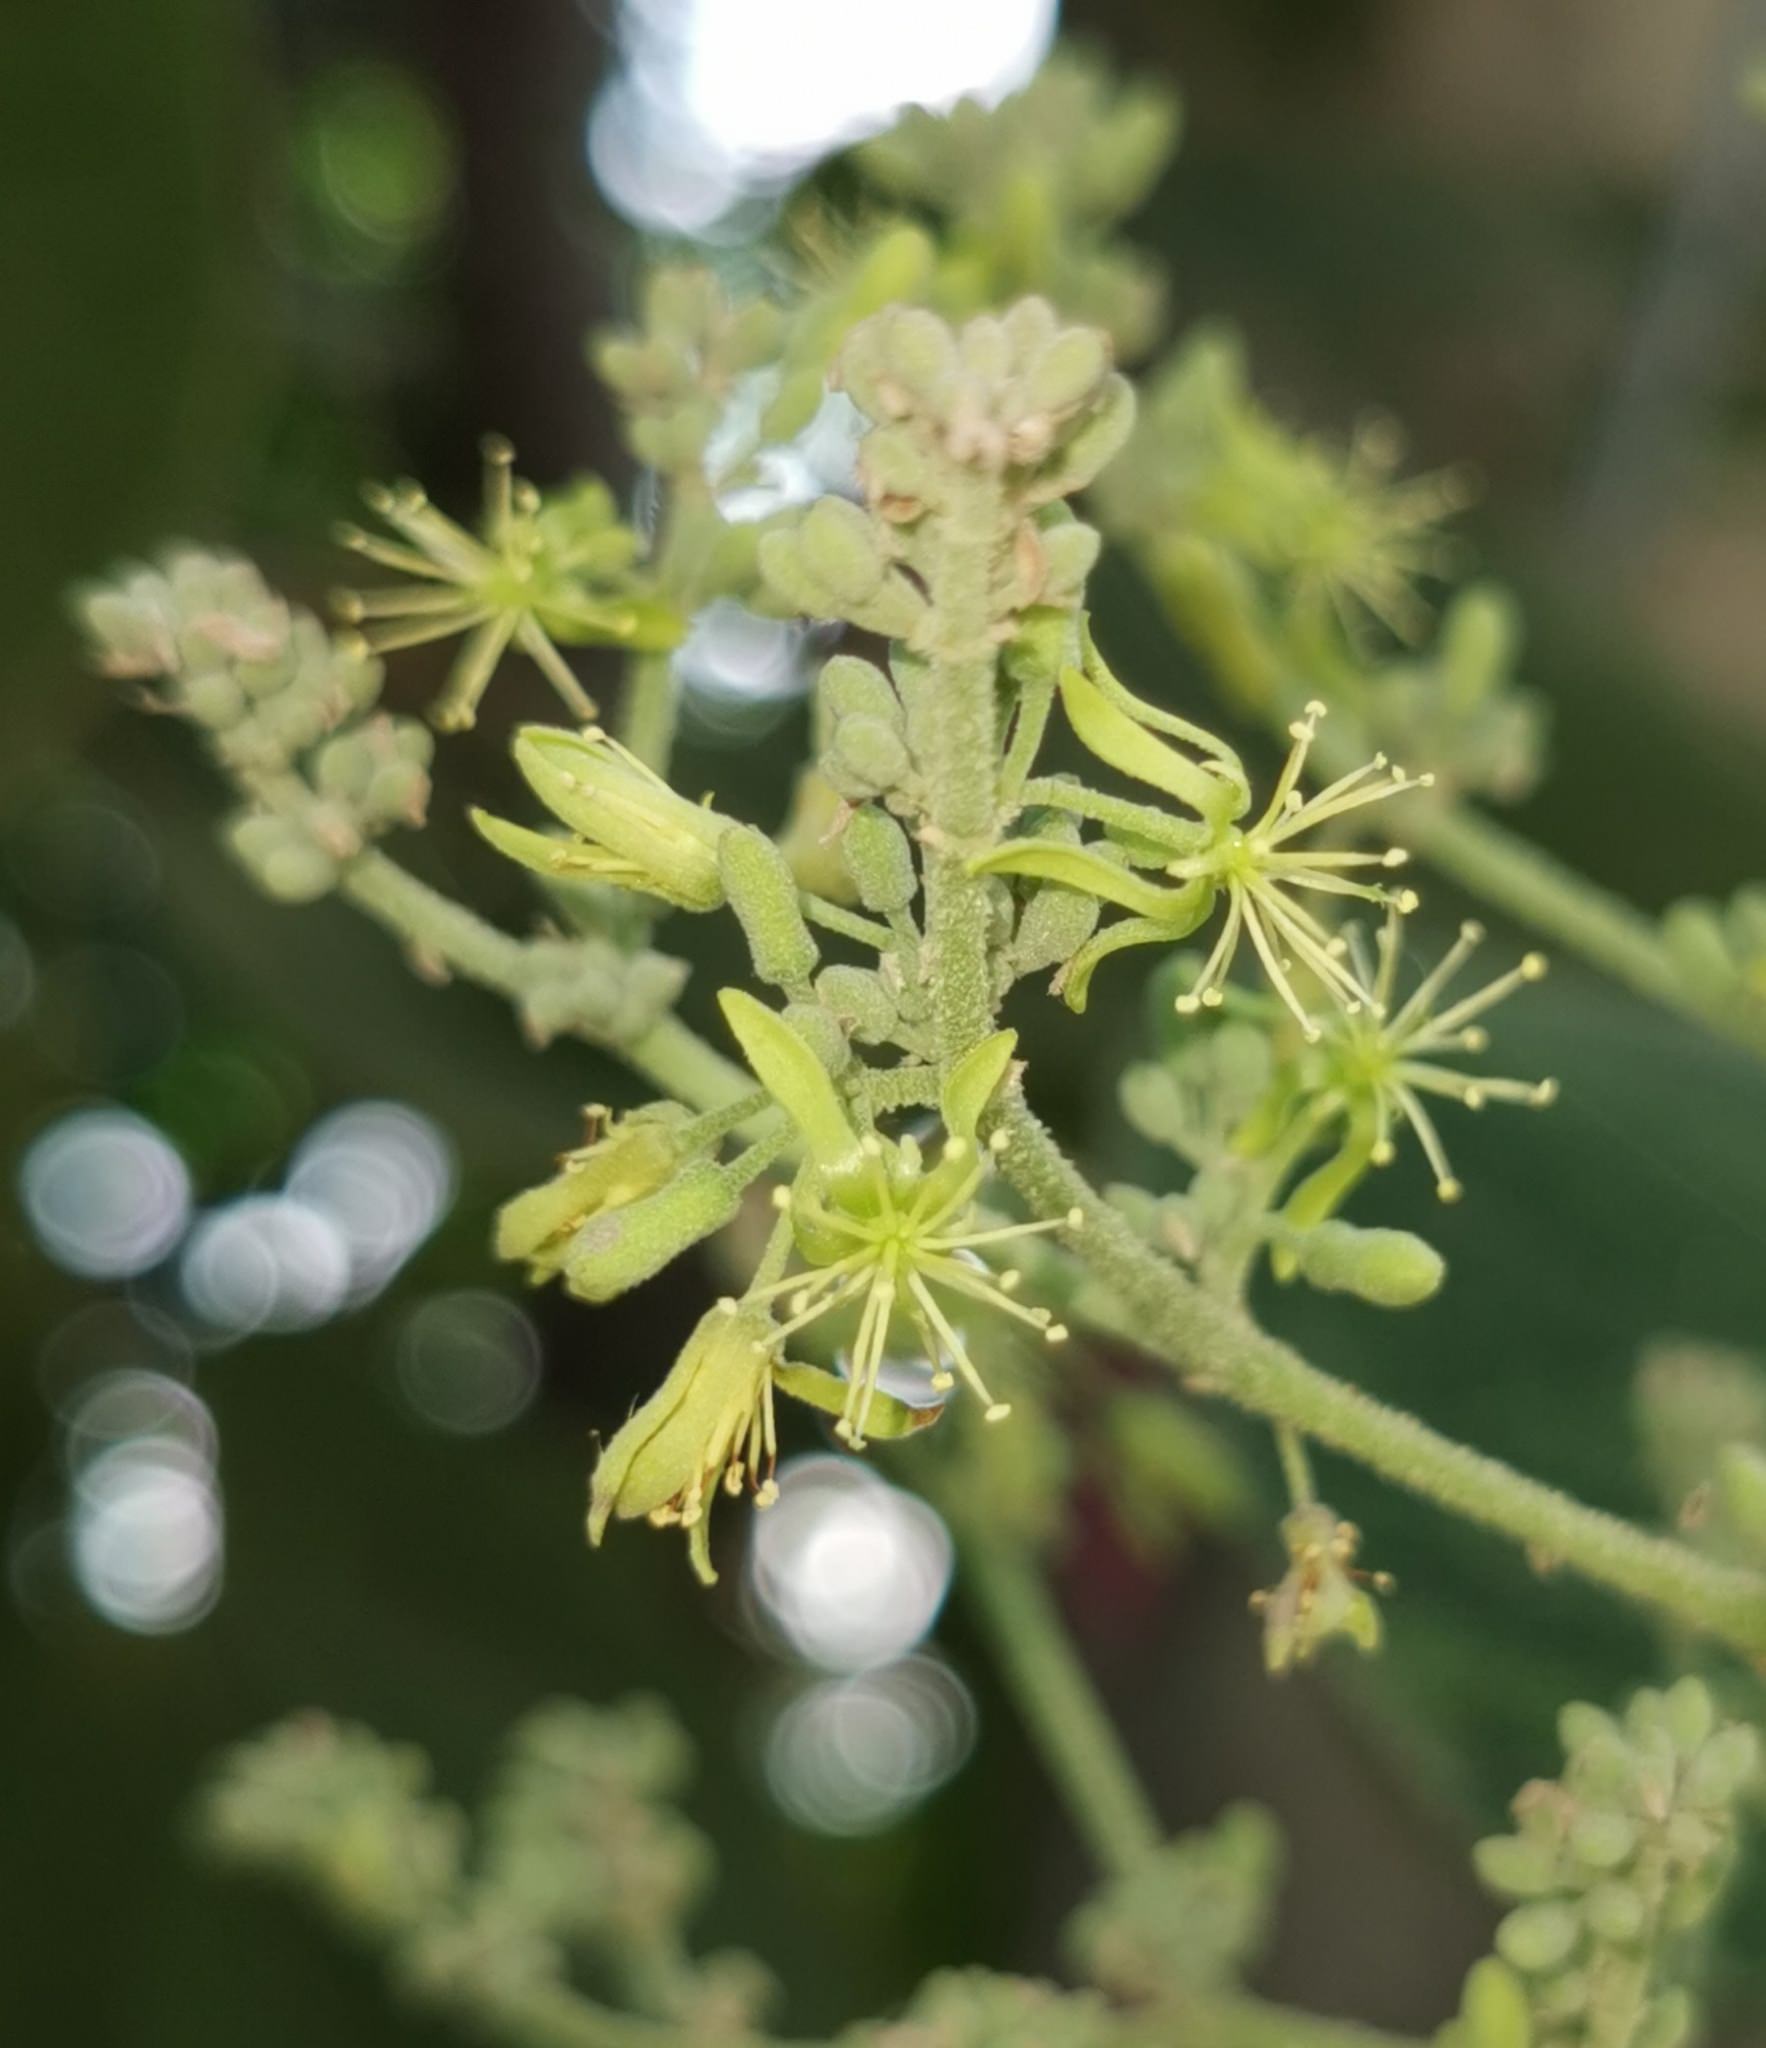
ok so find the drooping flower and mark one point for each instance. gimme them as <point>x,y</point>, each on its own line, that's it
<point>710,1425</point>
<point>627,826</point>
<point>1323,1594</point>
<point>1259,869</point>
<point>538,571</point>
<point>880,1229</point>
<point>1378,1063</point>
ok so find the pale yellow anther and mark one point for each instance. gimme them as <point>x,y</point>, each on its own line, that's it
<point>1533,966</point>
<point>1448,1190</point>
<point>1545,1094</point>
<point>1075,1218</point>
<point>1056,1333</point>
<point>781,1199</point>
<point>999,1411</point>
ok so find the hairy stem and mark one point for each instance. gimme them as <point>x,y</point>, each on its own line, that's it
<point>438,930</point>
<point>1218,1347</point>
<point>1489,861</point>
<point>1053,1692</point>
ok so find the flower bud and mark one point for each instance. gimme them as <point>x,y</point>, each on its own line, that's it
<point>879,859</point>
<point>762,891</point>
<point>865,758</point>
<point>1518,1866</point>
<point>636,1156</point>
<point>1066,371</point>
<point>1391,1268</point>
<point>839,546</point>
<point>859,1002</point>
<point>639,833</point>
<point>822,1033</point>
<point>1540,1938</point>
<point>284,861</point>
<point>620,1248</point>
<point>1493,2008</point>
<point>1615,1912</point>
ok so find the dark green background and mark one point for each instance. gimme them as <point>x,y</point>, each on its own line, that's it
<point>1479,217</point>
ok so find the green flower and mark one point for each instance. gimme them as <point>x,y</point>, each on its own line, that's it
<point>1377,1063</point>
<point>620,1161</point>
<point>881,1230</point>
<point>1322,1593</point>
<point>712,1426</point>
<point>628,828</point>
<point>537,571</point>
<point>1258,869</point>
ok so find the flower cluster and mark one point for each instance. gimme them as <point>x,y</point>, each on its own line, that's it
<point>870,1232</point>
<point>1257,869</point>
<point>538,571</point>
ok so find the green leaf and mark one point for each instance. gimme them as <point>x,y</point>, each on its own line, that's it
<point>970,1085</point>
<point>794,1077</point>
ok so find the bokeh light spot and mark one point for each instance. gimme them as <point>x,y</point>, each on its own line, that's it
<point>468,1362</point>
<point>851,1756</point>
<point>850,1571</point>
<point>106,1195</point>
<point>265,1262</point>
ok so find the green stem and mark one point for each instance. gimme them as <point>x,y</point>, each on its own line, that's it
<point>438,929</point>
<point>1296,1465</point>
<point>649,710</point>
<point>1055,1695</point>
<point>850,924</point>
<point>1223,1352</point>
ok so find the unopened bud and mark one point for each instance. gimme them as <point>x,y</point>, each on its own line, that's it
<point>1391,1268</point>
<point>879,859</point>
<point>762,891</point>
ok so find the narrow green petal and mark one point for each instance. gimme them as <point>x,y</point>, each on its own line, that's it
<point>1074,983</point>
<point>1125,744</point>
<point>970,1085</point>
<point>796,1079</point>
<point>1078,867</point>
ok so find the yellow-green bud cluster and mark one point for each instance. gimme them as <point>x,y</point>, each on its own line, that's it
<point>1614,1865</point>
<point>1191,1919</point>
<point>1721,950</point>
<point>674,371</point>
<point>343,1814</point>
<point>1024,187</point>
<point>283,705</point>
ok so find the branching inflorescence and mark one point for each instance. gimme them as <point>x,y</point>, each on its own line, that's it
<point>944,863</point>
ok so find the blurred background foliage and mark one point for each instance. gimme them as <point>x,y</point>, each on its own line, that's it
<point>256,252</point>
